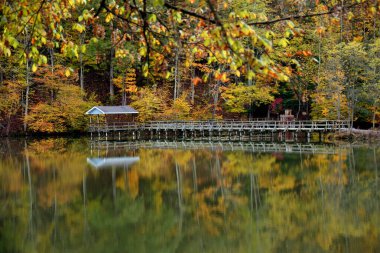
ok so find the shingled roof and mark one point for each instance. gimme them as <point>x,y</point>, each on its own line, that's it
<point>125,109</point>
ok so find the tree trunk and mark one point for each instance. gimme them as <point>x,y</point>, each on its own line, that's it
<point>1,74</point>
<point>112,89</point>
<point>26,109</point>
<point>216,98</point>
<point>51,52</point>
<point>81,68</point>
<point>81,76</point>
<point>7,129</point>
<point>124,97</point>
<point>341,21</point>
<point>177,79</point>
<point>374,117</point>
<point>192,85</point>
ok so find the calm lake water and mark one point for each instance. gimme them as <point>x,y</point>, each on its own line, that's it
<point>70,195</point>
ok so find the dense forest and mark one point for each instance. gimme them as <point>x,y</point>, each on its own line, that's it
<point>190,59</point>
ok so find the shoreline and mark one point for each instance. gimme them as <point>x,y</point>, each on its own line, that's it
<point>357,134</point>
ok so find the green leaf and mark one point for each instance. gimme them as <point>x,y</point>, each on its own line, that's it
<point>78,27</point>
<point>43,59</point>
<point>94,40</point>
<point>83,48</point>
<point>178,16</point>
<point>269,34</point>
<point>145,70</point>
<point>152,18</point>
<point>7,52</point>
<point>250,75</point>
<point>157,3</point>
<point>283,42</point>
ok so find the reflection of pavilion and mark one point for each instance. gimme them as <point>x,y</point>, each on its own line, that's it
<point>112,162</point>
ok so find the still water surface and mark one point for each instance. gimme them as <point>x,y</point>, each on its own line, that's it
<point>66,195</point>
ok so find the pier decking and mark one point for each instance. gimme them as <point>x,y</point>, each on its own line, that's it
<point>217,128</point>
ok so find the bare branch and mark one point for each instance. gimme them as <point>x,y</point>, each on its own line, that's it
<point>332,10</point>
<point>190,13</point>
<point>101,7</point>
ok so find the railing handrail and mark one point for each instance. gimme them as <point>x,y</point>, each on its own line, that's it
<point>219,124</point>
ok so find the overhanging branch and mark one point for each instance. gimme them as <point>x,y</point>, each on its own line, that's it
<point>332,10</point>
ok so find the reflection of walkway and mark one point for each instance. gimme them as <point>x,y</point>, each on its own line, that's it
<point>223,126</point>
<point>111,162</point>
<point>227,146</point>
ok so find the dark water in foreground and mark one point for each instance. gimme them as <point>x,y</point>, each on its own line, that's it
<point>64,195</point>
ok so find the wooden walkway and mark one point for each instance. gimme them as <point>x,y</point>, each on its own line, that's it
<point>263,147</point>
<point>218,128</point>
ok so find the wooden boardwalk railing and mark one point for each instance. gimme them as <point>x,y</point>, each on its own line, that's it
<point>224,126</point>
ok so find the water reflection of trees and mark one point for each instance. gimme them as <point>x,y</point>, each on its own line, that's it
<point>187,201</point>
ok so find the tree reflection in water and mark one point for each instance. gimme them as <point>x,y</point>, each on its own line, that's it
<point>179,200</point>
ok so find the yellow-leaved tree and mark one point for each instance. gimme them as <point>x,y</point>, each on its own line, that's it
<point>61,109</point>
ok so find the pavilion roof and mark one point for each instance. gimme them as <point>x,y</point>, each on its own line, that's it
<point>125,109</point>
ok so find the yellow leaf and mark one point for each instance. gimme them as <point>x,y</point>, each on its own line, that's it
<point>109,17</point>
<point>142,51</point>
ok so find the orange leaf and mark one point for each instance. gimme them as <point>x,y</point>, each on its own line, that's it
<point>196,81</point>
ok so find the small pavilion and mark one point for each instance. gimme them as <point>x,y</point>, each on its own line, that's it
<point>112,114</point>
